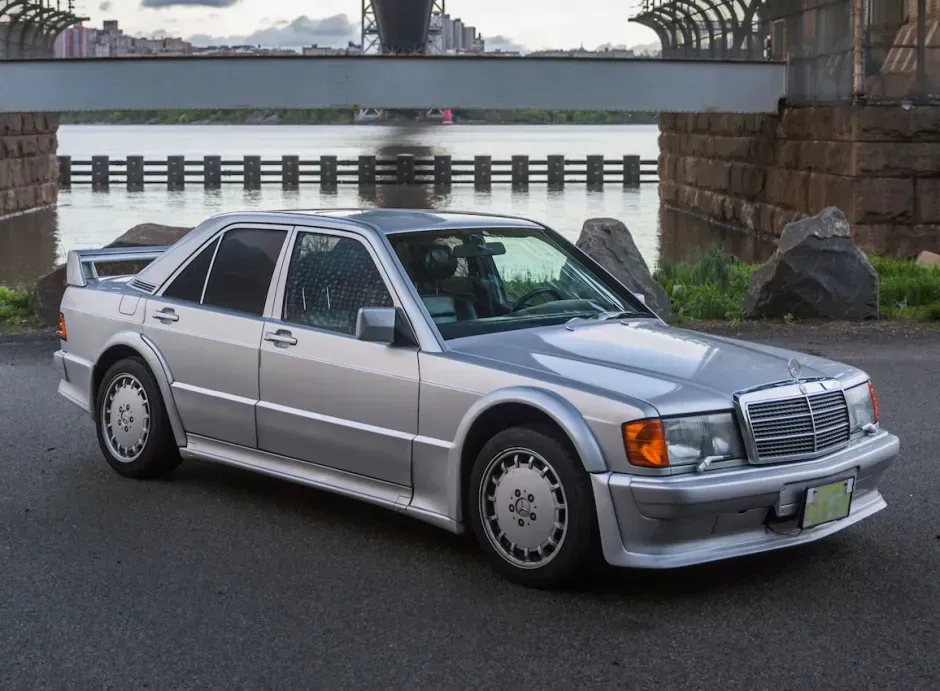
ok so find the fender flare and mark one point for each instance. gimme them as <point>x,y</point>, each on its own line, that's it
<point>559,409</point>
<point>158,366</point>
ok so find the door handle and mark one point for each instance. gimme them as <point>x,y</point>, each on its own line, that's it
<point>280,337</point>
<point>166,314</point>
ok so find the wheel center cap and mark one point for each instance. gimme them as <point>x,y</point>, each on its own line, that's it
<point>523,508</point>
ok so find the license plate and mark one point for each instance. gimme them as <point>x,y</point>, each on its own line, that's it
<point>828,503</point>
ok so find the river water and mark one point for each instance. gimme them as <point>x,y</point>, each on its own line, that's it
<point>31,244</point>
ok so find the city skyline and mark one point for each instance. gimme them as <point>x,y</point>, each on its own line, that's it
<point>523,25</point>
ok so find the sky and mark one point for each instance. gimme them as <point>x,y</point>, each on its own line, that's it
<point>507,24</point>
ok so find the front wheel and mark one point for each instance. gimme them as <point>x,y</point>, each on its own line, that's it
<point>133,428</point>
<point>531,508</point>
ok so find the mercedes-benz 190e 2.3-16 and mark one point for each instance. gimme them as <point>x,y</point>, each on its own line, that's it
<point>477,372</point>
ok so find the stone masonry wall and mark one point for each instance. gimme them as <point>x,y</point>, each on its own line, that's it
<point>29,169</point>
<point>879,164</point>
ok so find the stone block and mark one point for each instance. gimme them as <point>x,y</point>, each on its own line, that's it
<point>899,241</point>
<point>48,193</point>
<point>47,143</point>
<point>797,190</point>
<point>882,123</point>
<point>896,159</point>
<point>831,190</point>
<point>29,145</point>
<point>884,200</point>
<point>924,124</point>
<point>927,200</point>
<point>29,123</point>
<point>775,188</point>
<point>11,123</point>
<point>668,193</point>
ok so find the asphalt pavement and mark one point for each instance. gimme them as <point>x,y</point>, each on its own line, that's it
<point>221,579</point>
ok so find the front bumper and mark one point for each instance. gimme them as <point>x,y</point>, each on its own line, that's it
<point>679,520</point>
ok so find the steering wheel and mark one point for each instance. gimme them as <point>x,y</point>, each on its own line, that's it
<point>520,303</point>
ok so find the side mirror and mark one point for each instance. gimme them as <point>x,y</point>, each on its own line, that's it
<point>641,297</point>
<point>376,324</point>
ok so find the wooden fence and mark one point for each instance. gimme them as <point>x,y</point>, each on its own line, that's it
<point>291,172</point>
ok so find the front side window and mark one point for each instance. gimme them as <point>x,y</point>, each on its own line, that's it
<point>475,281</point>
<point>328,280</point>
<point>242,270</point>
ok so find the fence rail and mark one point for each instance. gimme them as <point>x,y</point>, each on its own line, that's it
<point>291,172</point>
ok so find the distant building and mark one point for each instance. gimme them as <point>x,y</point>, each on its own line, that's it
<point>455,37</point>
<point>582,53</point>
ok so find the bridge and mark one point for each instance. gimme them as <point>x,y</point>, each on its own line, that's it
<point>403,73</point>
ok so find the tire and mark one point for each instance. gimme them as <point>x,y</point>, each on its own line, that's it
<point>528,461</point>
<point>133,449</point>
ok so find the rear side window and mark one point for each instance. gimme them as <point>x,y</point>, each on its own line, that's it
<point>242,271</point>
<point>188,285</point>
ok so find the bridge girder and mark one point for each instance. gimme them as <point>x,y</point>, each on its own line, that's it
<point>385,21</point>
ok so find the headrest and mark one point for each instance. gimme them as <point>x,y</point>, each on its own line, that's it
<point>435,262</point>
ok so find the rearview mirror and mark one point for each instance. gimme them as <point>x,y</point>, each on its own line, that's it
<point>376,324</point>
<point>641,297</point>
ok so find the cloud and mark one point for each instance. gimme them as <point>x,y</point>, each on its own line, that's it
<point>161,4</point>
<point>105,6</point>
<point>336,31</point>
<point>502,43</point>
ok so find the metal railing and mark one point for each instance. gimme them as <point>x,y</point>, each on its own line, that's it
<point>291,172</point>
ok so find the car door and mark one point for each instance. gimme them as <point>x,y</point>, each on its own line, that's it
<point>325,396</point>
<point>207,324</point>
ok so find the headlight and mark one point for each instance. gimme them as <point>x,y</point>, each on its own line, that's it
<point>863,406</point>
<point>693,439</point>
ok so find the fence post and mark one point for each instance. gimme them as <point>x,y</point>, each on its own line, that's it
<point>520,171</point>
<point>212,172</point>
<point>175,172</point>
<point>366,171</point>
<point>252,172</point>
<point>328,175</point>
<point>482,171</point>
<point>65,172</point>
<point>442,171</point>
<point>405,169</point>
<point>290,172</point>
<point>595,171</point>
<point>556,171</point>
<point>631,171</point>
<point>135,173</point>
<point>100,172</point>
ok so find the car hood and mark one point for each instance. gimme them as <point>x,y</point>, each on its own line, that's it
<point>676,371</point>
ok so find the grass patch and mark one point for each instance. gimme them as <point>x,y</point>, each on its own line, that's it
<point>17,309</point>
<point>712,287</point>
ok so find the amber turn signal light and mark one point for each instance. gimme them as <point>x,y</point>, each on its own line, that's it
<point>62,333</point>
<point>874,400</point>
<point>645,443</point>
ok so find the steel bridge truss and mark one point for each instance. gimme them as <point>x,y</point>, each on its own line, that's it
<point>706,29</point>
<point>374,44</point>
<point>29,28</point>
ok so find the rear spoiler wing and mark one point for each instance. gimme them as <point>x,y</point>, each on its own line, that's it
<point>81,266</point>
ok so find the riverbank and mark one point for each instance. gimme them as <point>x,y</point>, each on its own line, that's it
<point>347,116</point>
<point>705,292</point>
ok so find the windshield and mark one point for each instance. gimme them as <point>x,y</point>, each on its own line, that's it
<point>478,281</point>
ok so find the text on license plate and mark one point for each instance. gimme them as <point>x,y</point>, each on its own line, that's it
<point>828,502</point>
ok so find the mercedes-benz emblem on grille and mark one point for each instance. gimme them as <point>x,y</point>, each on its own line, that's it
<point>795,369</point>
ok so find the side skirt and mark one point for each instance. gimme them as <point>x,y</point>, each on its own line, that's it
<point>376,492</point>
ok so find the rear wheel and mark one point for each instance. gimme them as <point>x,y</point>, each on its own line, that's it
<point>133,428</point>
<point>531,508</point>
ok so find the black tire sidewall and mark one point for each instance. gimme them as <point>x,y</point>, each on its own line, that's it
<point>160,454</point>
<point>579,549</point>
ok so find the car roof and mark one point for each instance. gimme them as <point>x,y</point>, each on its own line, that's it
<point>389,221</point>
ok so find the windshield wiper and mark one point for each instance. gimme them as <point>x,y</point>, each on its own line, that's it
<point>602,316</point>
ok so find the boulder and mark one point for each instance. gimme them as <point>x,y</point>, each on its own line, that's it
<point>608,242</point>
<point>49,288</point>
<point>816,271</point>
<point>928,258</point>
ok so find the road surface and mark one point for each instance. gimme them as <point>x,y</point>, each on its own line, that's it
<point>226,580</point>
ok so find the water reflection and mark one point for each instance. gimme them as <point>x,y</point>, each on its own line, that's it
<point>681,235</point>
<point>28,246</point>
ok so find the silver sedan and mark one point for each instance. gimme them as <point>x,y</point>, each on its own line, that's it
<point>476,372</point>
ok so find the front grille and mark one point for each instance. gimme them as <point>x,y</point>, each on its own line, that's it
<point>799,427</point>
